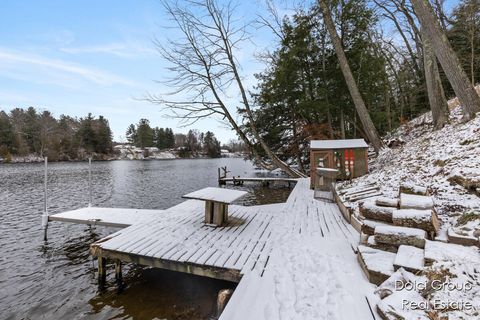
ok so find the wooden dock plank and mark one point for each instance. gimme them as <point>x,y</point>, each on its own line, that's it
<point>178,239</point>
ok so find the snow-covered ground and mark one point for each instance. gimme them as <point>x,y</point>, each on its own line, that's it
<point>447,161</point>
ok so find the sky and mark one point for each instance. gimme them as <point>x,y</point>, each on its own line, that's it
<point>80,57</point>
<point>77,57</point>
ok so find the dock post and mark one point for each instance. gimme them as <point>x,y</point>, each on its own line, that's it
<point>222,300</point>
<point>90,181</point>
<point>45,204</point>
<point>118,275</point>
<point>102,272</point>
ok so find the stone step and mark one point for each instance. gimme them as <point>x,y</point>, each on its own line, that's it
<point>386,202</point>
<point>377,264</point>
<point>410,258</point>
<point>413,218</point>
<point>371,211</point>
<point>368,226</point>
<point>398,236</point>
<point>436,251</point>
<point>380,246</point>
<point>411,201</point>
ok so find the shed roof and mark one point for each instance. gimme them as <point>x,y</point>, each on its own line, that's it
<point>338,144</point>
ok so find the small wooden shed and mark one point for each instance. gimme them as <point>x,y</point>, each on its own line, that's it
<point>349,156</point>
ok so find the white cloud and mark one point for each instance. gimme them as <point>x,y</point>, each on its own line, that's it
<point>39,68</point>
<point>123,50</point>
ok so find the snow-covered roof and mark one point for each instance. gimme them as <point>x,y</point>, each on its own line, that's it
<point>338,144</point>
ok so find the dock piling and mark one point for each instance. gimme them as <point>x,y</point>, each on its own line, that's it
<point>223,297</point>
<point>118,275</point>
<point>90,181</point>
<point>102,272</point>
<point>45,204</point>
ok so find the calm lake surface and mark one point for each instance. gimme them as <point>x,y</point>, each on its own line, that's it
<point>56,279</point>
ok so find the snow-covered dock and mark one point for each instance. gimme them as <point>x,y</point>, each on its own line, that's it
<point>262,180</point>
<point>108,217</point>
<point>294,259</point>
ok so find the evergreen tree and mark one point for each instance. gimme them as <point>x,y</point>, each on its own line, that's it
<point>7,136</point>
<point>131,134</point>
<point>87,134</point>
<point>144,134</point>
<point>464,35</point>
<point>103,136</point>
<point>211,146</point>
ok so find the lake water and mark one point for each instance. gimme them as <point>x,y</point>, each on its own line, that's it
<point>56,279</point>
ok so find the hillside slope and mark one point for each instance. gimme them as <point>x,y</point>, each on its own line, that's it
<point>447,161</point>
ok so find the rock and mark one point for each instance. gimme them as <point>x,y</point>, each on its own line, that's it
<point>436,251</point>
<point>454,237</point>
<point>392,284</point>
<point>410,201</point>
<point>377,264</point>
<point>413,189</point>
<point>397,236</point>
<point>386,202</point>
<point>371,211</point>
<point>393,307</point>
<point>476,233</point>
<point>368,226</point>
<point>410,258</point>
<point>412,218</point>
<point>380,246</point>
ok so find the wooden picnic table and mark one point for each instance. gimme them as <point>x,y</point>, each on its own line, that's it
<point>216,203</point>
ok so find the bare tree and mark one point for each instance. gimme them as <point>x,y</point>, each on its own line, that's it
<point>367,123</point>
<point>448,59</point>
<point>205,68</point>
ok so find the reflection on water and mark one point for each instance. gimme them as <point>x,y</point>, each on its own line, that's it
<point>56,279</point>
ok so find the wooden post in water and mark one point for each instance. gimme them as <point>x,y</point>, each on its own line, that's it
<point>45,204</point>
<point>102,272</point>
<point>222,300</point>
<point>118,275</point>
<point>90,181</point>
<point>221,176</point>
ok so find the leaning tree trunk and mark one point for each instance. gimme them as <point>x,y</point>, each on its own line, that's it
<point>436,94</point>
<point>448,59</point>
<point>362,111</point>
<point>275,159</point>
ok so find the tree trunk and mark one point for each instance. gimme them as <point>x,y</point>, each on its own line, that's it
<point>459,80</point>
<point>342,124</point>
<point>436,95</point>
<point>362,111</point>
<point>388,109</point>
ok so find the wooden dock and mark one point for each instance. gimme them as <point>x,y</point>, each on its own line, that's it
<point>108,217</point>
<point>303,246</point>
<point>265,181</point>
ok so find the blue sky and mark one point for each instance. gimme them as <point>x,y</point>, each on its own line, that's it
<point>76,57</point>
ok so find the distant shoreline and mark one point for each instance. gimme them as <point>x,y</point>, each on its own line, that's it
<point>41,160</point>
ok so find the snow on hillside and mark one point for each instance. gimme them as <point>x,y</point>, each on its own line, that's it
<point>447,161</point>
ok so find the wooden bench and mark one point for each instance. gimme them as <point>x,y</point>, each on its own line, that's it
<point>216,203</point>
